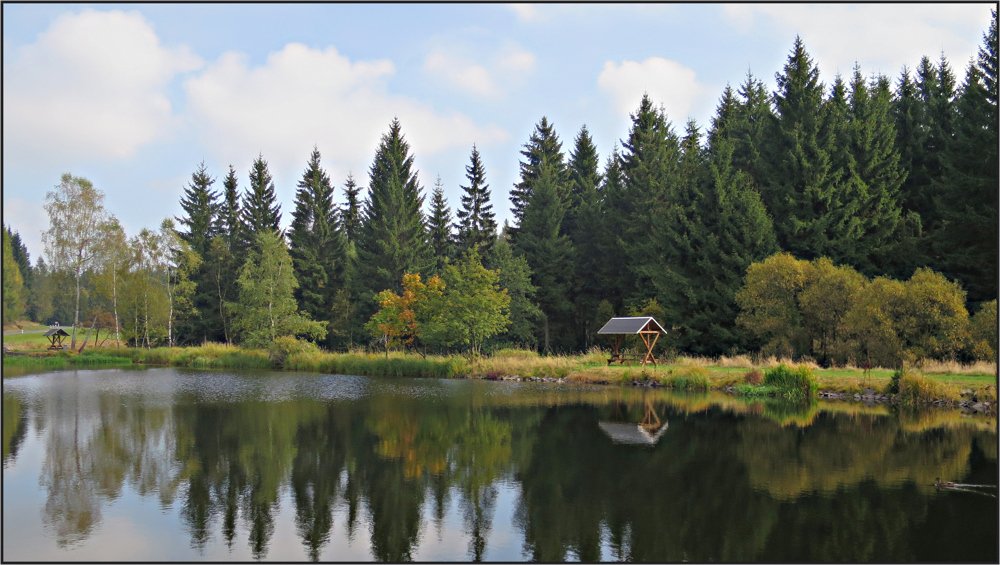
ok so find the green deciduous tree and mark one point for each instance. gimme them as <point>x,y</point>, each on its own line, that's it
<point>76,221</point>
<point>266,308</point>
<point>13,284</point>
<point>472,308</point>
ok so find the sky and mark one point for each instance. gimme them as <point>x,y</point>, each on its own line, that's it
<point>135,97</point>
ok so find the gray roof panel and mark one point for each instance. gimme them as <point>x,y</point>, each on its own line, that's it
<point>629,325</point>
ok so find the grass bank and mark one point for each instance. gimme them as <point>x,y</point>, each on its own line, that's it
<point>62,361</point>
<point>741,375</point>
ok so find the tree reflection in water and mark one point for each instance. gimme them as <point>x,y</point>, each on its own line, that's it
<point>727,481</point>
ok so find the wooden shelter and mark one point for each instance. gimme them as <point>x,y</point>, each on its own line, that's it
<point>646,327</point>
<point>55,338</point>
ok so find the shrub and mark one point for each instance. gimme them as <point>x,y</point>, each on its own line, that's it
<point>689,378</point>
<point>283,347</point>
<point>753,377</point>
<point>893,386</point>
<point>915,388</point>
<point>745,389</point>
<point>797,382</point>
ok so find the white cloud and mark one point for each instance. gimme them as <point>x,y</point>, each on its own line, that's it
<point>525,12</point>
<point>302,96</point>
<point>880,37</point>
<point>91,86</point>
<point>506,68</point>
<point>29,220</point>
<point>461,73</point>
<point>667,82</point>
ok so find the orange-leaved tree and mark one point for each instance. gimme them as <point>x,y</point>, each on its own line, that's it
<point>399,317</point>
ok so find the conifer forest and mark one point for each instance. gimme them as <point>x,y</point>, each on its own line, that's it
<point>833,217</point>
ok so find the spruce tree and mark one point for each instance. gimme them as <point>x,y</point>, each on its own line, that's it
<point>351,213</point>
<point>876,165</point>
<point>612,271</point>
<point>931,133</point>
<point>201,218</point>
<point>261,212</point>
<point>392,239</point>
<point>549,255</point>
<point>583,225</point>
<point>476,223</point>
<point>706,240</point>
<point>742,117</point>
<point>967,191</point>
<point>316,243</point>
<point>544,145</point>
<point>439,229</point>
<point>222,261</point>
<point>230,219</point>
<point>812,201</point>
<point>201,211</point>
<point>650,170</point>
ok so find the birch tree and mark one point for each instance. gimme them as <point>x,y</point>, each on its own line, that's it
<point>76,222</point>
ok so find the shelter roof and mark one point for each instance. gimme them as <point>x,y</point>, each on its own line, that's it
<point>631,434</point>
<point>631,325</point>
<point>57,331</point>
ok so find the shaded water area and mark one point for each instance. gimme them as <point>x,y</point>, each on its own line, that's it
<point>171,464</point>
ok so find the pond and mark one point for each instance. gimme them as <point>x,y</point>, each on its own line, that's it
<point>170,464</point>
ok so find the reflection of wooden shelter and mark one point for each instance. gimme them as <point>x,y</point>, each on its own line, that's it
<point>646,327</point>
<point>648,432</point>
<point>55,338</point>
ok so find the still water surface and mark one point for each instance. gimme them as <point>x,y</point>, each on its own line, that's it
<point>169,464</point>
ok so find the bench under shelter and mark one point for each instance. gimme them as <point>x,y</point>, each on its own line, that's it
<point>646,327</point>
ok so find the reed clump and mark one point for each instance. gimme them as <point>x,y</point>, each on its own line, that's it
<point>373,365</point>
<point>915,388</point>
<point>793,383</point>
<point>688,378</point>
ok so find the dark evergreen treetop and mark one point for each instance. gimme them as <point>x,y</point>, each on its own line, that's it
<point>543,144</point>
<point>547,252</point>
<point>230,212</point>
<point>392,239</point>
<point>351,213</point>
<point>476,222</point>
<point>201,209</point>
<point>799,187</point>
<point>21,257</point>
<point>439,228</point>
<point>967,191</point>
<point>261,211</point>
<point>316,243</point>
<point>583,178</point>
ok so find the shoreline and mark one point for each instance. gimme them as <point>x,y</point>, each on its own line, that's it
<point>964,392</point>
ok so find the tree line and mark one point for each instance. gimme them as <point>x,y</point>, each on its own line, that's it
<point>884,177</point>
